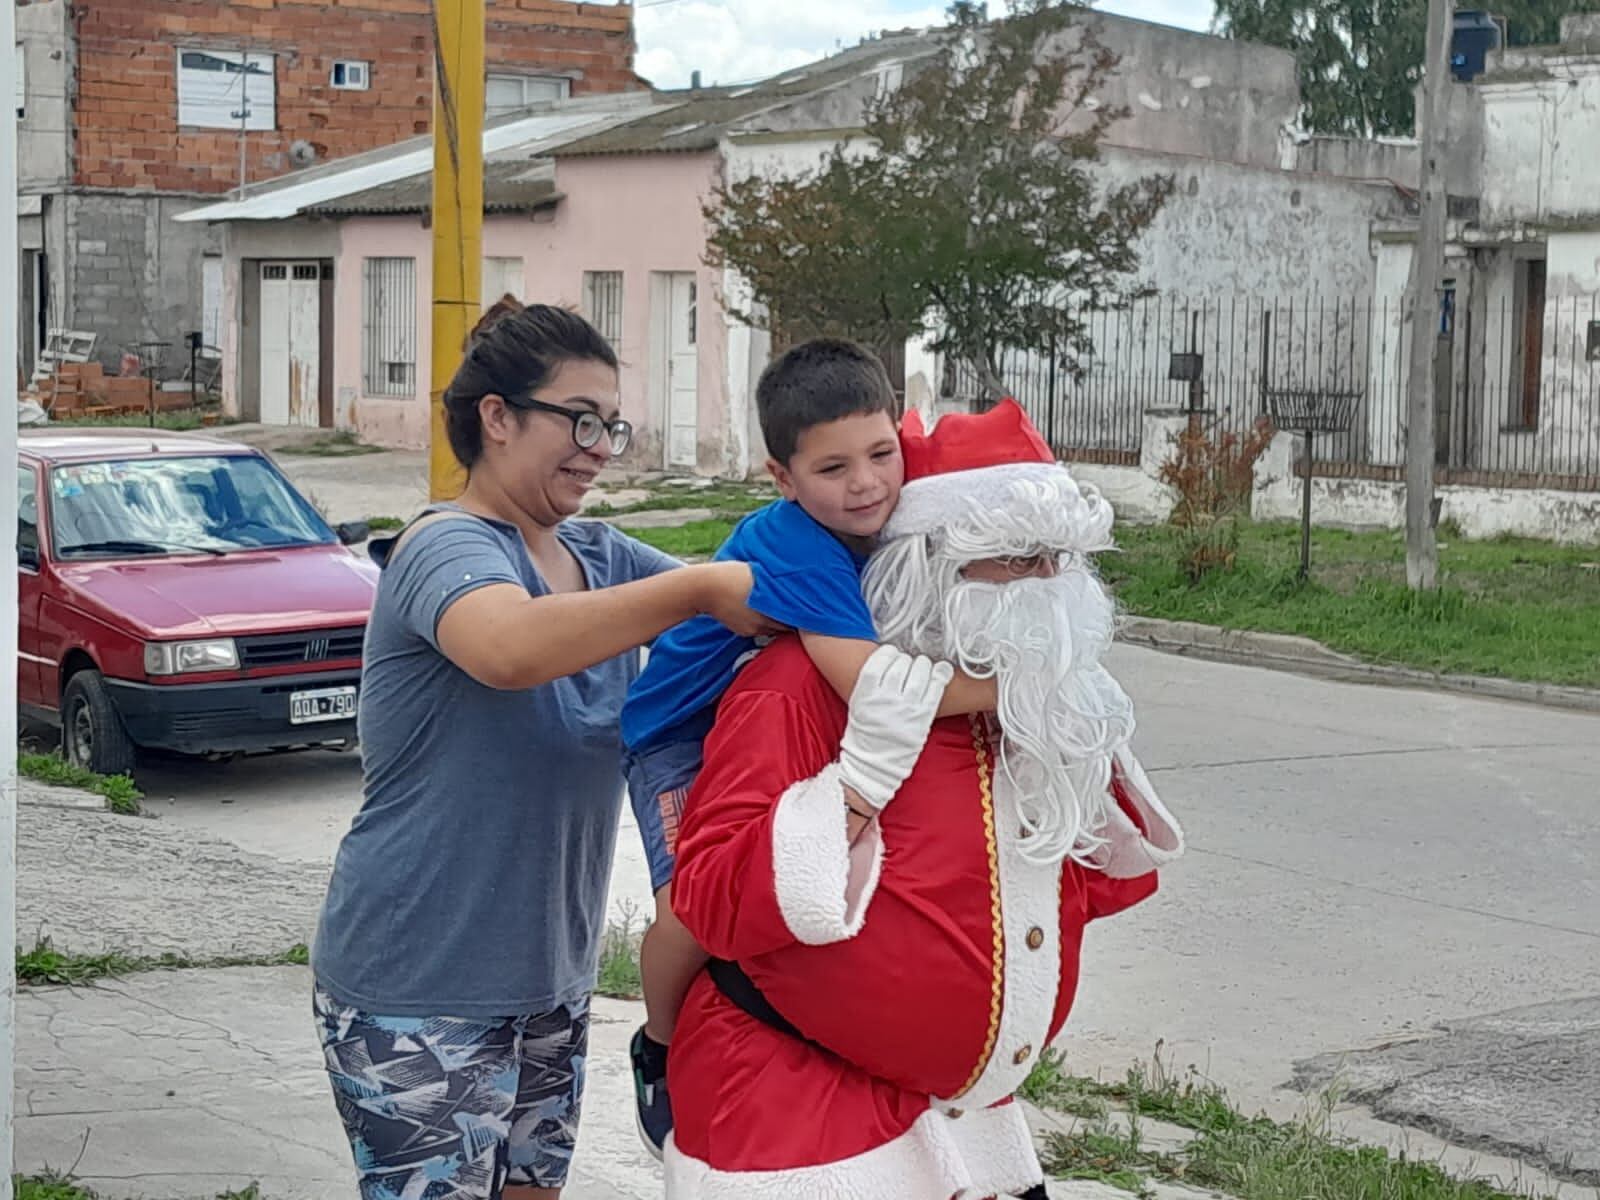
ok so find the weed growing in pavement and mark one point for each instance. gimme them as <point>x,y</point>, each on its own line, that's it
<point>121,794</point>
<point>1049,1086</point>
<point>48,1186</point>
<point>1249,1158</point>
<point>619,956</point>
<point>45,965</point>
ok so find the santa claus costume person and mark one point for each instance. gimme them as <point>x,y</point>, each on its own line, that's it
<point>895,904</point>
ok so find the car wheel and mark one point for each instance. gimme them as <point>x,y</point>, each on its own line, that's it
<point>92,735</point>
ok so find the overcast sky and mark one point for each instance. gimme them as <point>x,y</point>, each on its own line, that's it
<point>735,41</point>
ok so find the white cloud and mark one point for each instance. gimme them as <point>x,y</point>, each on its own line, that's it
<point>737,41</point>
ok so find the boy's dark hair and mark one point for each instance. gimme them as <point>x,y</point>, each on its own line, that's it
<point>817,382</point>
<point>512,353</point>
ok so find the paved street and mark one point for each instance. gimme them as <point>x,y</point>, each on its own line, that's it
<point>1364,864</point>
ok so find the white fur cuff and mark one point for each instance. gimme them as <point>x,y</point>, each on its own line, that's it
<point>1131,853</point>
<point>824,883</point>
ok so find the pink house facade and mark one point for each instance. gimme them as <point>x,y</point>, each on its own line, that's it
<point>623,246</point>
<point>335,294</point>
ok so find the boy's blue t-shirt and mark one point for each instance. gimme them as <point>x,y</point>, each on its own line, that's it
<point>805,577</point>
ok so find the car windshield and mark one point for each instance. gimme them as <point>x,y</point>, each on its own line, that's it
<point>157,506</point>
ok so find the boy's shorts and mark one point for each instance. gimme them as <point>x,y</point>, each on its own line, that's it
<point>658,784</point>
<point>446,1108</point>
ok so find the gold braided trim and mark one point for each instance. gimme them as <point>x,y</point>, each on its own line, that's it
<point>980,745</point>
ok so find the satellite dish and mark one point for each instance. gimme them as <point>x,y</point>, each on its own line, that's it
<point>302,153</point>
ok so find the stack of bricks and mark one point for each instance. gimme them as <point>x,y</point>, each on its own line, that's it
<point>85,390</point>
<point>128,134</point>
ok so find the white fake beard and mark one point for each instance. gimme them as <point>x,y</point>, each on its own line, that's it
<point>1061,713</point>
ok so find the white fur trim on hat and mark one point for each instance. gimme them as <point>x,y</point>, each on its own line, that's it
<point>934,501</point>
<point>824,883</point>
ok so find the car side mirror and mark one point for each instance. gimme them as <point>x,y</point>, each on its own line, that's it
<point>353,533</point>
<point>28,556</point>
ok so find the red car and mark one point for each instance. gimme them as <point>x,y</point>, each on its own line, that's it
<point>178,593</point>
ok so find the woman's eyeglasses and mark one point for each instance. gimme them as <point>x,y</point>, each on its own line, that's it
<point>587,426</point>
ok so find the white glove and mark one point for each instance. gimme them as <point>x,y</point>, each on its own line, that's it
<point>891,710</point>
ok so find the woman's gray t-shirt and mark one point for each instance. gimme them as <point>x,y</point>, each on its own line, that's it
<point>472,883</point>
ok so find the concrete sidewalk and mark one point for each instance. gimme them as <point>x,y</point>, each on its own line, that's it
<point>178,1085</point>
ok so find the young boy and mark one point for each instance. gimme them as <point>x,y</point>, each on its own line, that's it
<point>826,410</point>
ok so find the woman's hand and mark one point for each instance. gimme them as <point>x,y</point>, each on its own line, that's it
<point>724,590</point>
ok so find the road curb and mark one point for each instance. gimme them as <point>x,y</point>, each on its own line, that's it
<point>1285,652</point>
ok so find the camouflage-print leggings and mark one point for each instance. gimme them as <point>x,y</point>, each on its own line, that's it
<point>441,1108</point>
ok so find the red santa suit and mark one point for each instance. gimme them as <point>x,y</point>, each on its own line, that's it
<point>931,958</point>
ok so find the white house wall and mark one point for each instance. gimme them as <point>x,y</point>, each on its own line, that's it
<point>1539,160</point>
<point>1230,244</point>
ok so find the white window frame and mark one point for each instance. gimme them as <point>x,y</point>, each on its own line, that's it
<point>22,80</point>
<point>357,75</point>
<point>389,327</point>
<point>216,99</point>
<point>524,82</point>
<point>602,303</point>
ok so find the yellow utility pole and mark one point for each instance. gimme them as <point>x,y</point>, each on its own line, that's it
<point>458,37</point>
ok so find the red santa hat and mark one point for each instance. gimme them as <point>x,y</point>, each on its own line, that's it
<point>970,462</point>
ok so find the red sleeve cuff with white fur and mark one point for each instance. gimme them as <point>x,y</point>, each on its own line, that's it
<point>824,883</point>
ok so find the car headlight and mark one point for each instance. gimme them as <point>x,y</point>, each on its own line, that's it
<point>180,658</point>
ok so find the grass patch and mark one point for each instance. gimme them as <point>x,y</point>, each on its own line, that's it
<point>44,965</point>
<point>1263,1160</point>
<point>48,1186</point>
<point>1191,1100</point>
<point>1512,608</point>
<point>51,1186</point>
<point>728,499</point>
<point>697,539</point>
<point>1104,1153</point>
<point>1049,1086</point>
<point>1250,1158</point>
<point>120,793</point>
<point>342,444</point>
<point>619,956</point>
<point>385,524</point>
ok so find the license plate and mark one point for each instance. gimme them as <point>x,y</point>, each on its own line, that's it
<point>323,704</point>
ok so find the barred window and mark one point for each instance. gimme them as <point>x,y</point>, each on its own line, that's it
<point>389,326</point>
<point>602,303</point>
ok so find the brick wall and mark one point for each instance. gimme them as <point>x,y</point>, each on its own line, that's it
<point>127,132</point>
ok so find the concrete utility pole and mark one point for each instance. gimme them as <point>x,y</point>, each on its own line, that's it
<point>458,44</point>
<point>1426,284</point>
<point>10,365</point>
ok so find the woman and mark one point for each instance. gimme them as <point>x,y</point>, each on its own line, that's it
<point>457,946</point>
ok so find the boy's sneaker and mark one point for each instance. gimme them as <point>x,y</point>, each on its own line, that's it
<point>652,1106</point>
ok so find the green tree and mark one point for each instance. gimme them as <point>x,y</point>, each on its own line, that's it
<point>974,214</point>
<point>1359,60</point>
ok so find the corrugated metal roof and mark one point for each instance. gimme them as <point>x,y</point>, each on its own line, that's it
<point>413,158</point>
<point>698,119</point>
<point>515,186</point>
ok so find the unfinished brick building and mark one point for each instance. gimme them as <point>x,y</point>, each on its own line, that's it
<point>131,111</point>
